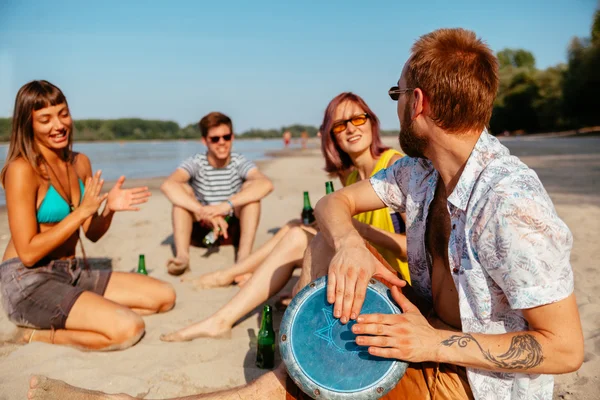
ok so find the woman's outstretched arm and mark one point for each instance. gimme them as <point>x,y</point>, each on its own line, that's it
<point>118,199</point>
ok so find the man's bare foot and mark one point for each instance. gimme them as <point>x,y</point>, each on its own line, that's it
<point>241,280</point>
<point>209,328</point>
<point>177,266</point>
<point>210,280</point>
<point>43,388</point>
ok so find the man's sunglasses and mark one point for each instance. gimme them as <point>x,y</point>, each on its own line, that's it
<point>395,92</point>
<point>217,139</point>
<point>357,120</point>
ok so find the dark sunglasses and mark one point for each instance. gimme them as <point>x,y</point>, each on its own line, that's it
<point>217,139</point>
<point>395,92</point>
<point>357,120</point>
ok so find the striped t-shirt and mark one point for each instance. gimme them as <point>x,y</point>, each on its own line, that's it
<point>215,185</point>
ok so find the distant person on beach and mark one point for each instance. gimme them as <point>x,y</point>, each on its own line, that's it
<point>353,151</point>
<point>209,188</point>
<point>304,139</point>
<point>287,137</point>
<point>51,195</point>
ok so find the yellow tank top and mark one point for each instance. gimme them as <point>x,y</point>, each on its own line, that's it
<point>381,218</point>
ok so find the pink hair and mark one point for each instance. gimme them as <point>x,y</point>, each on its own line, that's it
<point>336,160</point>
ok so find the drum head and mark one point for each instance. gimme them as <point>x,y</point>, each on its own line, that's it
<point>321,354</point>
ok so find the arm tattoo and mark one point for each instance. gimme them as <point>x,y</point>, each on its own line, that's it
<point>524,351</point>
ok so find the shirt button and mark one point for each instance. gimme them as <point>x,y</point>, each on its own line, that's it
<point>453,226</point>
<point>455,270</point>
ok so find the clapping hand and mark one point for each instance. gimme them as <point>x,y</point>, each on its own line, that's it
<point>120,199</point>
<point>92,199</point>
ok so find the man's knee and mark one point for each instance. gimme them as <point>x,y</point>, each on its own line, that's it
<point>248,214</point>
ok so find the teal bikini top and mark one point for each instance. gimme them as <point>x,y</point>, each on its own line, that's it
<point>54,208</point>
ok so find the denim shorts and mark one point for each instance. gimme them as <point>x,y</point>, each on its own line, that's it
<point>42,296</point>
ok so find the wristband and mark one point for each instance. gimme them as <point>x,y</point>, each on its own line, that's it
<point>230,205</point>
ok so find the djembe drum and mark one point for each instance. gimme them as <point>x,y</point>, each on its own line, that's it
<point>321,354</point>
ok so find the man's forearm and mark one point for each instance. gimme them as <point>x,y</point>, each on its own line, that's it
<point>392,241</point>
<point>179,196</point>
<point>334,216</point>
<point>526,352</point>
<point>253,191</point>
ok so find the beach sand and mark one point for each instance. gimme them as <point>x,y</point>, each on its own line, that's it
<point>153,369</point>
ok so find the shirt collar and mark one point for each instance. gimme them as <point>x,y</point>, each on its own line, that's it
<point>485,151</point>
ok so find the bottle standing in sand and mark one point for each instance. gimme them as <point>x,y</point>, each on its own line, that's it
<point>209,240</point>
<point>142,265</point>
<point>265,353</point>
<point>329,187</point>
<point>308,216</point>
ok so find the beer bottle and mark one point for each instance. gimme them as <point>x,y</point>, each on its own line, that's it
<point>142,265</point>
<point>209,240</point>
<point>265,353</point>
<point>329,187</point>
<point>308,216</point>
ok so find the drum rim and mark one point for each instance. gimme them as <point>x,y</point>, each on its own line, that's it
<point>394,373</point>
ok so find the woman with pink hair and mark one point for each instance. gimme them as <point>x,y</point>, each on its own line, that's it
<point>353,151</point>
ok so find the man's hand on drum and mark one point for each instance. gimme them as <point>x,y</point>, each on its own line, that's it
<point>408,336</point>
<point>350,271</point>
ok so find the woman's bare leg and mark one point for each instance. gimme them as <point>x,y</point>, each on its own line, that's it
<point>248,265</point>
<point>269,386</point>
<point>268,279</point>
<point>143,294</point>
<point>95,323</point>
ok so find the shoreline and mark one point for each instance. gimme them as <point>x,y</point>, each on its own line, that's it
<point>582,132</point>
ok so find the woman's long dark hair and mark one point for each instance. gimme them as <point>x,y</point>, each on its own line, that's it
<point>32,96</point>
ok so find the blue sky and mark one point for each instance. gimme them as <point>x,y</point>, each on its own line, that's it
<point>264,63</point>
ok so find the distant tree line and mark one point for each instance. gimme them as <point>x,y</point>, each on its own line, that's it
<point>565,96</point>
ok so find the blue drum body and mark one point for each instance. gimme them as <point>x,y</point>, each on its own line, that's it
<point>321,354</point>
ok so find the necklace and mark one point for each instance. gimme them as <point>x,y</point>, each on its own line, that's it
<point>67,192</point>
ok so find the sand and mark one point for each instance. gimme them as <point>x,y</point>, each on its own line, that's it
<point>154,369</point>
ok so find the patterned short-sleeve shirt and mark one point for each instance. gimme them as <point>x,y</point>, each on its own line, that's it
<point>508,249</point>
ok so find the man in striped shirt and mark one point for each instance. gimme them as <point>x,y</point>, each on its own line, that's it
<point>206,188</point>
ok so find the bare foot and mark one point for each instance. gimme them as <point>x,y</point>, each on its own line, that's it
<point>43,388</point>
<point>177,266</point>
<point>242,279</point>
<point>209,328</point>
<point>18,336</point>
<point>210,280</point>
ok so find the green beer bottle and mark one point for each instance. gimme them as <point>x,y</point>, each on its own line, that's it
<point>142,265</point>
<point>265,353</point>
<point>308,216</point>
<point>209,240</point>
<point>329,187</point>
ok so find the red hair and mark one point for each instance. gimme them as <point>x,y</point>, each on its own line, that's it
<point>459,74</point>
<point>336,160</point>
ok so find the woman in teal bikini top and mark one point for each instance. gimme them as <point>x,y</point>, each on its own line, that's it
<point>54,208</point>
<point>44,289</point>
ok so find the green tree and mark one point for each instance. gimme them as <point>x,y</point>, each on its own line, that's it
<point>581,86</point>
